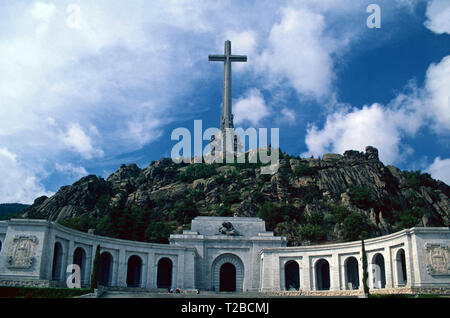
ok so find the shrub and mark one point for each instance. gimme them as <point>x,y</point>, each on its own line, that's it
<point>361,196</point>
<point>340,213</point>
<point>416,179</point>
<point>312,232</point>
<point>354,227</point>
<point>270,212</point>
<point>410,218</point>
<point>303,169</point>
<point>158,232</point>
<point>198,171</point>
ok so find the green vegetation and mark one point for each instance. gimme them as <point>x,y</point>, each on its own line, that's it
<point>365,266</point>
<point>35,292</point>
<point>416,179</point>
<point>274,213</point>
<point>355,227</point>
<point>198,171</point>
<point>10,210</point>
<point>361,196</point>
<point>303,169</point>
<point>410,218</point>
<point>312,232</point>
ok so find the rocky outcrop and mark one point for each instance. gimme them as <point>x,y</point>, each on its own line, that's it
<point>305,185</point>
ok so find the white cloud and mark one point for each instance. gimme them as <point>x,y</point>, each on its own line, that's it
<point>251,108</point>
<point>437,107</point>
<point>288,115</point>
<point>75,172</point>
<point>296,52</point>
<point>438,15</point>
<point>356,129</point>
<point>440,169</point>
<point>17,183</point>
<point>76,139</point>
<point>386,126</point>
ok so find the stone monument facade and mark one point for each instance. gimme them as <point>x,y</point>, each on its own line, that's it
<point>226,254</point>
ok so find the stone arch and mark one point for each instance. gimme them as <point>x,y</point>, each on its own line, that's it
<point>105,269</point>
<point>234,261</point>
<point>164,273</point>
<point>292,275</point>
<point>400,260</point>
<point>378,271</point>
<point>351,273</point>
<point>79,258</point>
<point>57,261</point>
<point>322,270</point>
<point>134,270</point>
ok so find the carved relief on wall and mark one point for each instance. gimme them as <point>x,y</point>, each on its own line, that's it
<point>22,251</point>
<point>436,259</point>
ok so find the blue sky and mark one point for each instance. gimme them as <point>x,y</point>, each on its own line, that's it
<point>88,85</point>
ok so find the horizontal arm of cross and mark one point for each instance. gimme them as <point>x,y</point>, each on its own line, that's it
<point>238,58</point>
<point>233,58</point>
<point>218,58</point>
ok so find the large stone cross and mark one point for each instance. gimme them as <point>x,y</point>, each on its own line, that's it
<point>226,120</point>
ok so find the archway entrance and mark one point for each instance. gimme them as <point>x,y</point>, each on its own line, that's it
<point>401,268</point>
<point>57,262</point>
<point>378,272</point>
<point>227,273</point>
<point>134,271</point>
<point>105,269</point>
<point>323,275</point>
<point>292,275</point>
<point>164,278</point>
<point>227,277</point>
<point>79,258</point>
<point>352,273</point>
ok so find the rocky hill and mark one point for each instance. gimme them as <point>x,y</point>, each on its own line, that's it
<point>335,198</point>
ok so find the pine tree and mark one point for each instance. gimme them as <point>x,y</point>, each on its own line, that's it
<point>365,272</point>
<point>95,269</point>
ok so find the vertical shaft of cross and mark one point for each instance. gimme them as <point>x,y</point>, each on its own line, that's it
<point>226,120</point>
<point>227,115</point>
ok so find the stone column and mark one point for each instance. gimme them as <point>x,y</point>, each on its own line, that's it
<point>122,281</point>
<point>305,280</point>
<point>334,272</point>
<point>409,261</point>
<point>151,269</point>
<point>388,268</point>
<point>282,274</point>
<point>69,258</point>
<point>179,270</point>
<point>342,277</point>
<point>51,255</point>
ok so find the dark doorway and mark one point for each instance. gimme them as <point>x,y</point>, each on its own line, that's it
<point>352,272</point>
<point>104,277</point>
<point>57,262</point>
<point>323,275</point>
<point>378,271</point>
<point>401,268</point>
<point>164,279</point>
<point>134,271</point>
<point>79,258</point>
<point>228,277</point>
<point>292,275</point>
